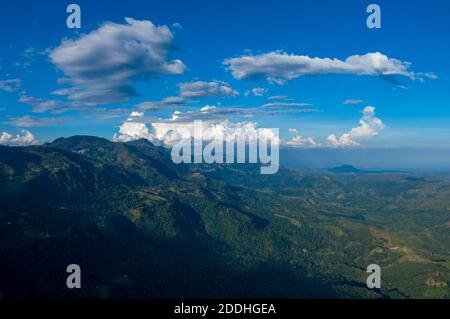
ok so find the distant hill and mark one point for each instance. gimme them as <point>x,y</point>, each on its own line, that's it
<point>344,169</point>
<point>140,226</point>
<point>349,169</point>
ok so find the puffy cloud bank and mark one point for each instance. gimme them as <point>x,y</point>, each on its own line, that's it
<point>27,138</point>
<point>369,126</point>
<point>300,141</point>
<point>168,132</point>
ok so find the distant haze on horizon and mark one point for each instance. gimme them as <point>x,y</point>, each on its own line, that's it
<point>426,159</point>
<point>412,159</point>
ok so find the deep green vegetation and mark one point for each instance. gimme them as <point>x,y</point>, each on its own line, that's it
<point>142,227</point>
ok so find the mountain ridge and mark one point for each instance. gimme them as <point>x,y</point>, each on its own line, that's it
<point>143,227</point>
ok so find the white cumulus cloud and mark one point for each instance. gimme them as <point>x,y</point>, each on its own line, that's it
<point>26,138</point>
<point>133,130</point>
<point>258,91</point>
<point>369,126</point>
<point>279,67</point>
<point>137,114</point>
<point>167,132</point>
<point>102,65</point>
<point>300,141</point>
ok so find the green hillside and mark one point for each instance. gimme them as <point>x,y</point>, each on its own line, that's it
<point>142,227</point>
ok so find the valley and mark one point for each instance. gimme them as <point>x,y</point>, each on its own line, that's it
<point>141,226</point>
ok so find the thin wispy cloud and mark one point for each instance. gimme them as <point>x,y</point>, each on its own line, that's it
<point>33,121</point>
<point>286,104</point>
<point>352,102</point>
<point>10,85</point>
<point>278,97</point>
<point>40,105</point>
<point>202,89</point>
<point>166,103</point>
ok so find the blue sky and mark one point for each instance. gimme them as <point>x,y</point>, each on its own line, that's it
<point>221,51</point>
